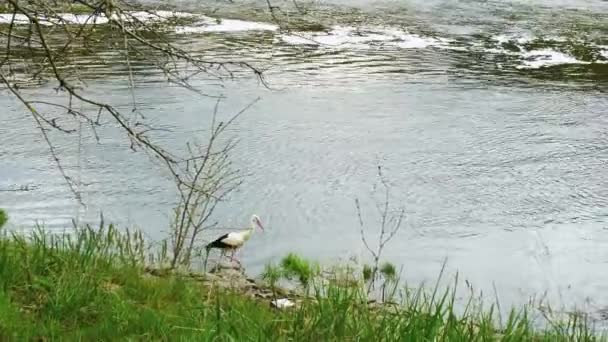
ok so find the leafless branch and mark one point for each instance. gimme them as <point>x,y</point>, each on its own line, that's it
<point>45,45</point>
<point>208,179</point>
<point>38,120</point>
<point>389,226</point>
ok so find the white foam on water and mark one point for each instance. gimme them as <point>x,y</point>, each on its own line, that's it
<point>233,25</point>
<point>339,36</point>
<point>413,41</point>
<point>22,19</point>
<point>208,24</point>
<point>70,18</point>
<point>155,15</point>
<point>296,39</point>
<point>5,18</point>
<point>518,38</point>
<point>343,37</point>
<point>546,57</point>
<point>535,59</point>
<point>362,38</point>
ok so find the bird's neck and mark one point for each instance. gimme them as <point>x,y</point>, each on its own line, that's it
<point>247,233</point>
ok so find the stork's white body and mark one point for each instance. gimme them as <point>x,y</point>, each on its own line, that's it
<point>235,240</point>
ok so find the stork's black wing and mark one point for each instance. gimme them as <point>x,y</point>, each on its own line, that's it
<point>218,243</point>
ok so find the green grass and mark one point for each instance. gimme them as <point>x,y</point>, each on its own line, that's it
<point>92,286</point>
<point>3,218</point>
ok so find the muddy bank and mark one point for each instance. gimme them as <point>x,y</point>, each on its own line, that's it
<point>235,279</point>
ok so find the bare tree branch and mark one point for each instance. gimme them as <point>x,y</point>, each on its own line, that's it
<point>208,179</point>
<point>37,118</point>
<point>45,46</point>
<point>389,226</point>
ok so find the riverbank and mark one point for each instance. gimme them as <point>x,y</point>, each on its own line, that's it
<point>92,285</point>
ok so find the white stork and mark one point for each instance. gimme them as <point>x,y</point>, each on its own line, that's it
<point>233,241</point>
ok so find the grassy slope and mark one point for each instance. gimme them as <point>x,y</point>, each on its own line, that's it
<point>89,287</point>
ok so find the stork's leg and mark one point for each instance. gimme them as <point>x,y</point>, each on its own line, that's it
<point>235,258</point>
<point>223,254</point>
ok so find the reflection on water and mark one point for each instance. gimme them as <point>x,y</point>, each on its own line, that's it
<point>494,137</point>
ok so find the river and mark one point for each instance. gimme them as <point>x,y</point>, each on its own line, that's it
<point>489,119</point>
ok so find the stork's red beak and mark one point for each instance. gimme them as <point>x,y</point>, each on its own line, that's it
<point>259,223</point>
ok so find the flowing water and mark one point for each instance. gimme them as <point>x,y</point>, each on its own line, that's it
<point>489,119</point>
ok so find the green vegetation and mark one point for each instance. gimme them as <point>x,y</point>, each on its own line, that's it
<point>3,218</point>
<point>92,285</point>
<point>295,267</point>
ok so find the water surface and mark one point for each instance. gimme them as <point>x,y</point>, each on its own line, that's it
<point>488,118</point>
